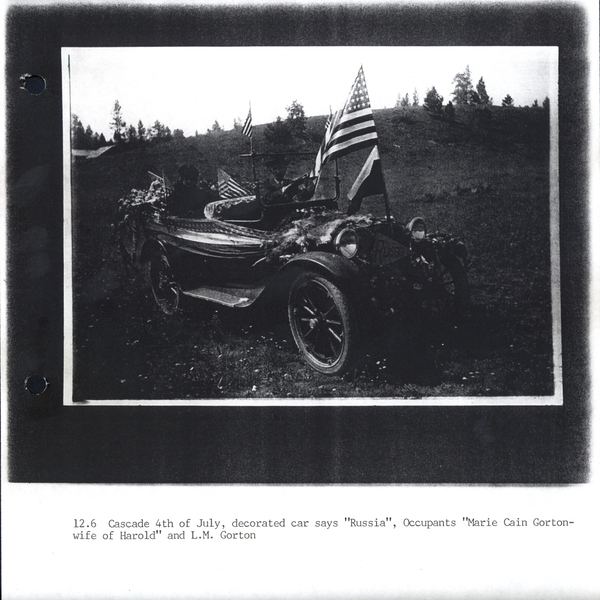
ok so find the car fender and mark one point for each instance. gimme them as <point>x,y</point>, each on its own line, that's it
<point>149,247</point>
<point>341,269</point>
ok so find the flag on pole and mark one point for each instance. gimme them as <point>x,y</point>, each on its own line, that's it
<point>353,127</point>
<point>329,119</point>
<point>247,128</point>
<point>368,183</point>
<point>228,187</point>
<point>316,170</point>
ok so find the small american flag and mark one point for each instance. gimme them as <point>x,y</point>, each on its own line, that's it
<point>329,119</point>
<point>247,128</point>
<point>228,187</point>
<point>353,127</point>
<point>319,162</point>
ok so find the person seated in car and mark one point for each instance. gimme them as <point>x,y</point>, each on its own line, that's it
<point>189,198</point>
<point>279,189</point>
<point>275,185</point>
<point>301,189</point>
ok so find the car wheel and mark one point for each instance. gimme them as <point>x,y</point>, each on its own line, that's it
<point>323,324</point>
<point>452,292</point>
<point>164,287</point>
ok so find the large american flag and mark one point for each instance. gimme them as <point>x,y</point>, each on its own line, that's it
<point>228,187</point>
<point>352,127</point>
<point>247,128</point>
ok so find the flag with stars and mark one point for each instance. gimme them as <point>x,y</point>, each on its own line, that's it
<point>352,127</point>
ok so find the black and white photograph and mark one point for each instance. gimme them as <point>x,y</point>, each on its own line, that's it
<point>299,300</point>
<point>348,233</point>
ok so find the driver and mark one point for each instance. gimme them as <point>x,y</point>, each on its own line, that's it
<point>279,188</point>
<point>274,185</point>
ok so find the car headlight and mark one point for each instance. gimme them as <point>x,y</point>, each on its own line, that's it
<point>346,243</point>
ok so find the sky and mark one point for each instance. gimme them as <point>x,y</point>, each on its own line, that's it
<point>191,88</point>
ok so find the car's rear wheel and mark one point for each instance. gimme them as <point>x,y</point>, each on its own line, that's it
<point>164,287</point>
<point>323,324</point>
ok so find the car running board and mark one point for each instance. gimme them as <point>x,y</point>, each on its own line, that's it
<point>233,297</point>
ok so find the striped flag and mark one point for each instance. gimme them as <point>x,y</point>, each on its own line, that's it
<point>353,127</point>
<point>247,128</point>
<point>368,183</point>
<point>329,119</point>
<point>228,187</point>
<point>319,162</point>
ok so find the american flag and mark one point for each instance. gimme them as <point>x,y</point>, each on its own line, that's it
<point>228,187</point>
<point>352,127</point>
<point>247,128</point>
<point>316,170</point>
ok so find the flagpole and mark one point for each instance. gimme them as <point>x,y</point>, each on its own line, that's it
<point>337,183</point>
<point>386,200</point>
<point>257,187</point>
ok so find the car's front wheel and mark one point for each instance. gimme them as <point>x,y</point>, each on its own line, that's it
<point>164,287</point>
<point>323,324</point>
<point>452,289</point>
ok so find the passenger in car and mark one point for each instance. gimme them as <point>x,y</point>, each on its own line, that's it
<point>189,198</point>
<point>274,185</point>
<point>278,188</point>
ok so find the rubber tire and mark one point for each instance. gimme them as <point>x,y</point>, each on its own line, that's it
<point>159,265</point>
<point>346,357</point>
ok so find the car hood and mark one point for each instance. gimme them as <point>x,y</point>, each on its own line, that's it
<point>315,230</point>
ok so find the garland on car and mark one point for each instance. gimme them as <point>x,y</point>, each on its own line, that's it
<point>133,210</point>
<point>309,233</point>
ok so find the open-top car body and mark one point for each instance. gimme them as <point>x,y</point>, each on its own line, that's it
<point>341,275</point>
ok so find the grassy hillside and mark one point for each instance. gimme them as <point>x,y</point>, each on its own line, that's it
<point>484,177</point>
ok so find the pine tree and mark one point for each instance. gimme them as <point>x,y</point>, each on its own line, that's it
<point>482,92</point>
<point>141,131</point>
<point>462,87</point>
<point>77,133</point>
<point>415,98</point>
<point>508,101</point>
<point>216,128</point>
<point>433,102</point>
<point>89,138</point>
<point>157,131</point>
<point>132,137</point>
<point>546,104</point>
<point>278,134</point>
<point>117,124</point>
<point>296,119</point>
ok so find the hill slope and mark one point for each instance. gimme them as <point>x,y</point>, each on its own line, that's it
<point>484,177</point>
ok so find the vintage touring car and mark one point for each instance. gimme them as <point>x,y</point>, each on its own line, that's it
<point>342,276</point>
